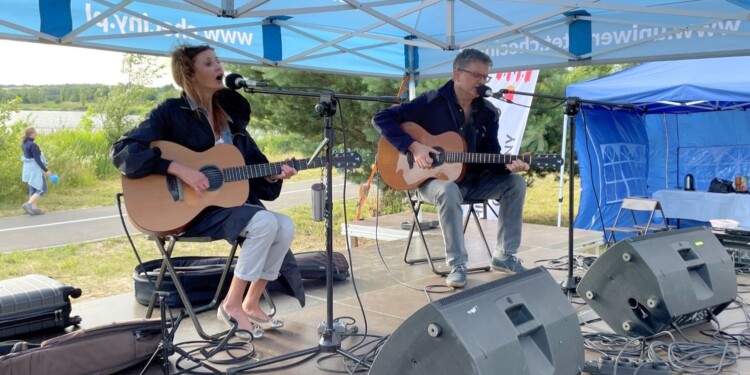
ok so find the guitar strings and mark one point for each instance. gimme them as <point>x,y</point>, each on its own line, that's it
<point>250,171</point>
<point>483,157</point>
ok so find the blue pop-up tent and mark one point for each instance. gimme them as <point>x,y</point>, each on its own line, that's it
<point>690,117</point>
<point>391,38</point>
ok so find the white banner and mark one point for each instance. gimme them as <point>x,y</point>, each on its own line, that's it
<point>513,116</point>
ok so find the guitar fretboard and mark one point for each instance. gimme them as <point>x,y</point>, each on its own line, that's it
<point>264,170</point>
<point>467,157</point>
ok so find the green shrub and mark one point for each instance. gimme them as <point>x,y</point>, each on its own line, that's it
<point>79,156</point>
<point>11,136</point>
<point>284,144</point>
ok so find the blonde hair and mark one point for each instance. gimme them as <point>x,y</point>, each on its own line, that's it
<point>28,132</point>
<point>183,73</point>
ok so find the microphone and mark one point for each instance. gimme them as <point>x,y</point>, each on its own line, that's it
<point>235,81</point>
<point>486,92</point>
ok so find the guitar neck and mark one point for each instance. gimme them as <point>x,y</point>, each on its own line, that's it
<point>479,158</point>
<point>264,170</point>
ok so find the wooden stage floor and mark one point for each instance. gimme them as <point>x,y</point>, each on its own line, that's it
<point>388,289</point>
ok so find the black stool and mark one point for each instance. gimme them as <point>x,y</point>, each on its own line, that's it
<point>167,266</point>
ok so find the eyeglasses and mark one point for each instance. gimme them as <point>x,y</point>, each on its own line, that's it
<point>483,77</point>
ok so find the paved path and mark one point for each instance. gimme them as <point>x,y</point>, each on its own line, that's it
<point>94,224</point>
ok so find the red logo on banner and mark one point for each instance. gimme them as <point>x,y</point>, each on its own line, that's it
<point>510,95</point>
<point>521,76</point>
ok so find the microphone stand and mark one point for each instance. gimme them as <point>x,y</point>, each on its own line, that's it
<point>330,340</point>
<point>571,107</point>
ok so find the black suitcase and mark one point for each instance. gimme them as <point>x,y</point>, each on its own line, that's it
<point>312,265</point>
<point>34,303</point>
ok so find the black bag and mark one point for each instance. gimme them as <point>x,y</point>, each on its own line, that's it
<point>312,265</point>
<point>720,186</point>
<point>200,277</point>
<point>34,303</point>
<point>103,349</point>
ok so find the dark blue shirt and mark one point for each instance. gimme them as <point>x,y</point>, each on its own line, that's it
<point>31,151</point>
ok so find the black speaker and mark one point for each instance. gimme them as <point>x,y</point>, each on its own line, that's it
<point>521,324</point>
<point>646,284</point>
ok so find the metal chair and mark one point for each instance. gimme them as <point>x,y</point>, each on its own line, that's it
<point>416,205</point>
<point>638,208</point>
<point>167,266</point>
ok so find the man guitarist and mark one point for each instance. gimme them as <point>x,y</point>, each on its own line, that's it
<point>458,107</point>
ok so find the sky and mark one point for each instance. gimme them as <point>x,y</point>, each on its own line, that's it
<point>27,63</point>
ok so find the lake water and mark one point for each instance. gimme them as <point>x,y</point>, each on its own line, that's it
<point>46,121</point>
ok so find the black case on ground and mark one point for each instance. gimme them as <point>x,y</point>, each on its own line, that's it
<point>312,265</point>
<point>200,277</point>
<point>34,303</point>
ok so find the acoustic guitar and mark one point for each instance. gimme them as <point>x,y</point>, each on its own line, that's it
<point>162,204</point>
<point>400,172</point>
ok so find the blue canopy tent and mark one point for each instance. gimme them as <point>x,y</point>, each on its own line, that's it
<point>391,38</point>
<point>690,117</point>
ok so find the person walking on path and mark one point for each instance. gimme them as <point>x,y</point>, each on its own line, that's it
<point>34,170</point>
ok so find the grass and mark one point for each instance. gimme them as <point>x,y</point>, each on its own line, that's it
<point>105,268</point>
<point>61,198</point>
<point>542,201</point>
<point>102,193</point>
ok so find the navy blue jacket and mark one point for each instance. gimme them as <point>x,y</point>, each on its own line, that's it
<point>31,151</point>
<point>175,121</point>
<point>437,112</point>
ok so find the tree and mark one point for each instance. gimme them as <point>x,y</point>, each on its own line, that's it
<point>545,125</point>
<point>295,119</point>
<point>118,108</point>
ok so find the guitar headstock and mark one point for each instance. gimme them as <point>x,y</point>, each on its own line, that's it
<point>348,159</point>
<point>547,161</point>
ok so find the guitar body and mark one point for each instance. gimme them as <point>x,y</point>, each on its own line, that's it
<point>397,171</point>
<point>162,205</point>
<point>400,172</point>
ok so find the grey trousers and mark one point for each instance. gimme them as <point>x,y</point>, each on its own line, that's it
<point>448,196</point>
<point>268,236</point>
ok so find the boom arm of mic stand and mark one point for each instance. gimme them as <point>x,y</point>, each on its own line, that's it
<point>570,109</point>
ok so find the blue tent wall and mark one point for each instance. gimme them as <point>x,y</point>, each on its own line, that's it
<point>690,117</point>
<point>706,145</point>
<point>612,162</point>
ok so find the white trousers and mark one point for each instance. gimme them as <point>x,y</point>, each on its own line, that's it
<point>268,236</point>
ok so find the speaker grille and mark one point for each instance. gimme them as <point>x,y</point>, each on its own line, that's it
<point>647,284</point>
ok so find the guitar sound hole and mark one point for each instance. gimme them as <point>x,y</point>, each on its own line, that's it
<point>438,159</point>
<point>215,179</point>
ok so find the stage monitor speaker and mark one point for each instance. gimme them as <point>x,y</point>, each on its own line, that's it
<point>521,324</point>
<point>647,284</point>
